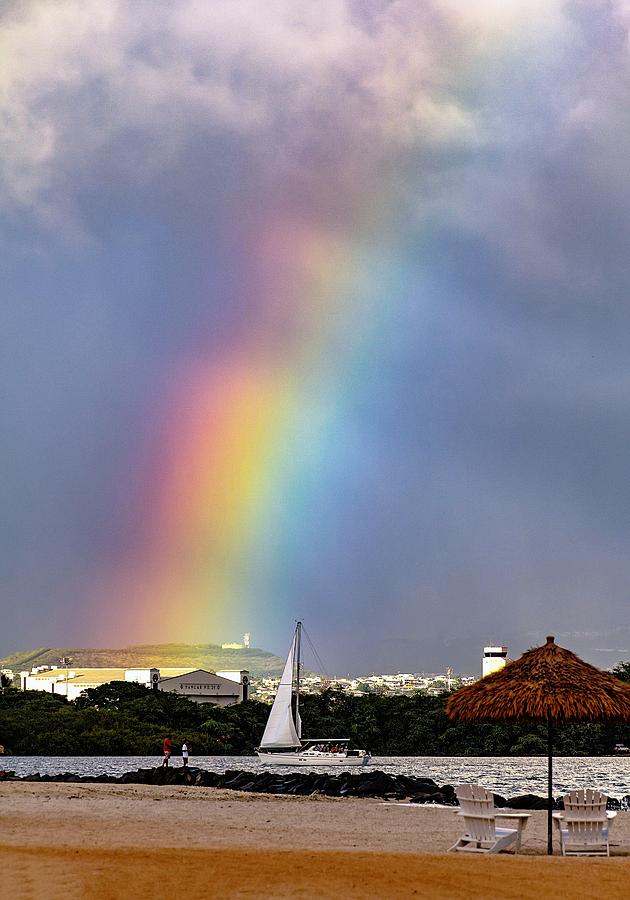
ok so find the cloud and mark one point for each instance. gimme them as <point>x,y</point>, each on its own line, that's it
<point>490,136</point>
<point>91,91</point>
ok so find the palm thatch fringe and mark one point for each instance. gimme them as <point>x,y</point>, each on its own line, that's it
<point>545,681</point>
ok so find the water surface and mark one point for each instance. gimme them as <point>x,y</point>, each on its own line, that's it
<point>504,775</point>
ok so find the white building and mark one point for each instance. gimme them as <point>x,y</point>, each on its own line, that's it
<point>221,689</point>
<point>494,659</point>
<point>235,645</point>
<point>208,687</point>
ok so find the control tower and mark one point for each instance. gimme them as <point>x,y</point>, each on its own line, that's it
<point>494,658</point>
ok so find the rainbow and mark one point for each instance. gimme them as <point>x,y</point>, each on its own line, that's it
<point>244,441</point>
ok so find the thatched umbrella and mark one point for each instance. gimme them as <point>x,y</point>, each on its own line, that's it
<point>547,684</point>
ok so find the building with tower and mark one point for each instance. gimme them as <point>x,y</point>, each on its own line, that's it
<point>494,659</point>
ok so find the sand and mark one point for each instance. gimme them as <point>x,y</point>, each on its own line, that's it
<point>135,841</point>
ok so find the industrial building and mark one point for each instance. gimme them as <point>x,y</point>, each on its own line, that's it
<point>218,688</point>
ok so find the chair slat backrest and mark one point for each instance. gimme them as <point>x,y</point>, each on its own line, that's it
<point>585,817</point>
<point>477,805</point>
<point>585,804</point>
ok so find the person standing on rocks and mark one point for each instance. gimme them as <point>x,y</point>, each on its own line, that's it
<point>185,754</point>
<point>168,749</point>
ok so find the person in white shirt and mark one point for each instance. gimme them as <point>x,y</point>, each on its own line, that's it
<point>185,753</point>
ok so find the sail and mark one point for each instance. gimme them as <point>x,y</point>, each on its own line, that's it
<point>298,723</point>
<point>280,730</point>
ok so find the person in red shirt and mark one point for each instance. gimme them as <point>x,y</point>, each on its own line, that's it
<point>168,749</point>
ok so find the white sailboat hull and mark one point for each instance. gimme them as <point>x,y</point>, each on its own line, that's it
<point>295,758</point>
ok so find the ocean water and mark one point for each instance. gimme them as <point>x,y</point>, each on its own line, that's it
<point>508,776</point>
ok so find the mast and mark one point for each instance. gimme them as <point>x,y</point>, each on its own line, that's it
<point>298,650</point>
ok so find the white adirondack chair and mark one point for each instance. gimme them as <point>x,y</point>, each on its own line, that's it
<point>585,823</point>
<point>482,833</point>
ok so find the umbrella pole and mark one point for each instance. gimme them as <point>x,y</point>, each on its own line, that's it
<point>549,785</point>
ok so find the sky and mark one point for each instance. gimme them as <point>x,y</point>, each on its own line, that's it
<point>317,311</point>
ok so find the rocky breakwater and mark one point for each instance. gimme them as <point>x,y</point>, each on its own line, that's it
<point>375,784</point>
<point>344,784</point>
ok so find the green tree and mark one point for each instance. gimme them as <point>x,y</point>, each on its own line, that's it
<point>128,719</point>
<point>622,670</point>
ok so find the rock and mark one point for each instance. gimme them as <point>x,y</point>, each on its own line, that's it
<point>206,779</point>
<point>526,801</point>
<point>332,787</point>
<point>415,782</point>
<point>425,797</point>
<point>427,789</point>
<point>341,784</point>
<point>234,780</point>
<point>141,776</point>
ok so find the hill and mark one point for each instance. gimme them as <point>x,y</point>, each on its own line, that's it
<point>198,656</point>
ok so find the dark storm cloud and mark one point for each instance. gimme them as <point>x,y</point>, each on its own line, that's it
<point>136,144</point>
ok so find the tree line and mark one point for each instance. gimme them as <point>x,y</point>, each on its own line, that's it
<point>124,718</point>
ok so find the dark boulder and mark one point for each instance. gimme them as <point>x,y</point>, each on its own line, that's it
<point>427,789</point>
<point>235,780</point>
<point>141,776</point>
<point>332,787</point>
<point>206,779</point>
<point>526,801</point>
<point>424,797</point>
<point>413,782</point>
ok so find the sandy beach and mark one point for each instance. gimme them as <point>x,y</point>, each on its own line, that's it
<point>118,841</point>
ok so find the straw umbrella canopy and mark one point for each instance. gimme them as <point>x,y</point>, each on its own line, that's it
<point>547,684</point>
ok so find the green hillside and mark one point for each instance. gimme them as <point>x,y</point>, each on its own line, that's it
<point>199,656</point>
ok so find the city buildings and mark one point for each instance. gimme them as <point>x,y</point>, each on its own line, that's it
<point>228,687</point>
<point>386,684</point>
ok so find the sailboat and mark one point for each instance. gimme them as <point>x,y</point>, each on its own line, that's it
<point>282,743</point>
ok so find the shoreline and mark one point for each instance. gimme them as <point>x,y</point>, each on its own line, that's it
<point>360,782</point>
